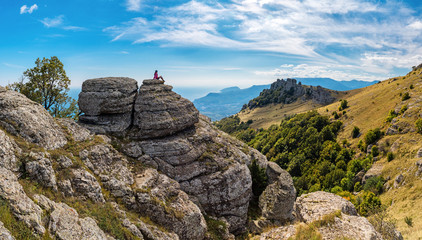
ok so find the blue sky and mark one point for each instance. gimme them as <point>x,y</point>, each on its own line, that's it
<point>213,43</point>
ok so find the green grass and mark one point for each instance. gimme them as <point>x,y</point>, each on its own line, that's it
<point>216,228</point>
<point>18,229</point>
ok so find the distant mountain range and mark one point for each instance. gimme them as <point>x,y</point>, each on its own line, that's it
<point>230,100</point>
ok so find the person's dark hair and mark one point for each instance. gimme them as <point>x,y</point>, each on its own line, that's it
<point>156,71</point>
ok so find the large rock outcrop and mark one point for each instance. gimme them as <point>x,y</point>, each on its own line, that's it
<point>113,105</point>
<point>107,104</point>
<point>161,112</point>
<point>287,91</point>
<point>22,117</point>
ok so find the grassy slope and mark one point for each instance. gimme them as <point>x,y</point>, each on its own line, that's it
<point>369,108</point>
<point>264,117</point>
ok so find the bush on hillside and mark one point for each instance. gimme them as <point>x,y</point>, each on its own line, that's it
<point>390,156</point>
<point>355,132</point>
<point>405,96</point>
<point>372,136</point>
<point>343,105</point>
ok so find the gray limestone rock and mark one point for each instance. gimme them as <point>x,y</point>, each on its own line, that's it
<point>273,172</point>
<point>160,198</point>
<point>419,153</point>
<point>278,198</point>
<point>161,112</point>
<point>111,95</point>
<point>78,133</point>
<point>111,167</point>
<point>41,169</point>
<point>23,117</point>
<point>8,148</point>
<point>85,185</point>
<point>313,206</point>
<point>20,204</point>
<point>107,104</point>
<point>65,224</point>
<point>5,233</point>
<point>419,167</point>
<point>374,171</point>
<point>398,181</point>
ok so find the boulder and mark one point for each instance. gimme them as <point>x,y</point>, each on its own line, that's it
<point>337,217</point>
<point>161,112</point>
<point>84,185</point>
<point>20,204</point>
<point>22,117</point>
<point>41,169</point>
<point>110,95</point>
<point>8,148</point>
<point>161,199</point>
<point>107,104</point>
<point>419,168</point>
<point>278,198</point>
<point>273,172</point>
<point>313,206</point>
<point>64,222</point>
<point>398,181</point>
<point>374,171</point>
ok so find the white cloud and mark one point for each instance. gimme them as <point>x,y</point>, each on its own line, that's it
<point>347,32</point>
<point>26,9</point>
<point>337,72</point>
<point>53,22</point>
<point>58,22</point>
<point>133,5</point>
<point>416,25</point>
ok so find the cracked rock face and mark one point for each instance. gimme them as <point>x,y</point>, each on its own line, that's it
<point>65,224</point>
<point>22,117</point>
<point>107,104</point>
<point>20,204</point>
<point>160,198</point>
<point>161,112</point>
<point>7,152</point>
<point>278,198</point>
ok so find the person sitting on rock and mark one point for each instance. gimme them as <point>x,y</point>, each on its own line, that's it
<point>158,77</point>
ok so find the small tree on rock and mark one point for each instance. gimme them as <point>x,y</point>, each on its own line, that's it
<point>48,85</point>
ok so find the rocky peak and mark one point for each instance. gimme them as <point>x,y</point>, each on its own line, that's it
<point>115,106</point>
<point>287,91</point>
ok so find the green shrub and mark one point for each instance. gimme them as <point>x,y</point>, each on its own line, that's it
<point>392,114</point>
<point>259,178</point>
<point>216,228</point>
<point>403,109</point>
<point>374,184</point>
<point>409,221</point>
<point>405,96</point>
<point>411,86</point>
<point>336,116</point>
<point>343,105</point>
<point>366,202</point>
<point>374,151</point>
<point>357,187</point>
<point>372,136</point>
<point>355,132</point>
<point>390,156</point>
<point>418,125</point>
